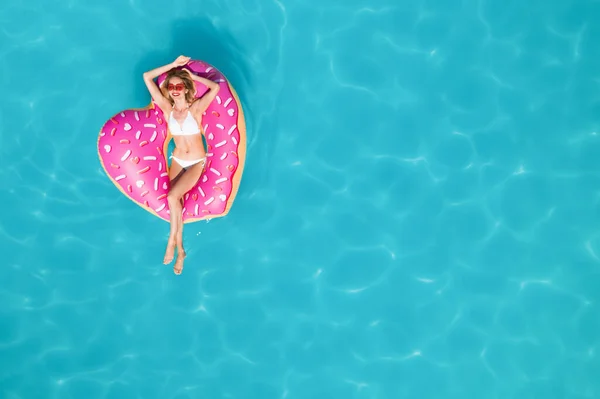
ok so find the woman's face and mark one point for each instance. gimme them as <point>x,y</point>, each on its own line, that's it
<point>176,87</point>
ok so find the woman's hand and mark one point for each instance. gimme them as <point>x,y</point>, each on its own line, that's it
<point>181,61</point>
<point>191,75</point>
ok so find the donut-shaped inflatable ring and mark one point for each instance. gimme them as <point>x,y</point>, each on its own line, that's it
<point>132,146</point>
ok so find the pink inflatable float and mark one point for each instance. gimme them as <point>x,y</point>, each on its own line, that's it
<point>133,144</point>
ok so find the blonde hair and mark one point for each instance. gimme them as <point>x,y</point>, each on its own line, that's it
<point>187,81</point>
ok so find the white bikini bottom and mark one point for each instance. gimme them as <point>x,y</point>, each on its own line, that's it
<point>184,163</point>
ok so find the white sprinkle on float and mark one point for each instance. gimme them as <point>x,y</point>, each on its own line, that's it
<point>126,155</point>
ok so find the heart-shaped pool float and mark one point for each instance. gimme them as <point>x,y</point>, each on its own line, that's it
<point>133,144</point>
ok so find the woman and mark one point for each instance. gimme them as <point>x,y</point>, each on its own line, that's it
<point>183,113</point>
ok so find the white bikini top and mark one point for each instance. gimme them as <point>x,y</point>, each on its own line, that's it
<point>188,127</point>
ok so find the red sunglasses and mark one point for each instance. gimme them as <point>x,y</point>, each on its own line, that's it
<point>177,87</point>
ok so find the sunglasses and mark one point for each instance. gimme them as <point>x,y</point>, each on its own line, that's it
<point>177,87</point>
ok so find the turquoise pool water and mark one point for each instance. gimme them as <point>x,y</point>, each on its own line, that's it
<point>418,216</point>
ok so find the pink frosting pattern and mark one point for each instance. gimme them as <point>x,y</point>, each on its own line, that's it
<point>133,143</point>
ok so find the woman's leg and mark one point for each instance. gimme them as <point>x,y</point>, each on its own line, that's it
<point>174,170</point>
<point>184,184</point>
<point>179,238</point>
<point>180,250</point>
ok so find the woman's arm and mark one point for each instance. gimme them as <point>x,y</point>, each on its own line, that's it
<point>149,77</point>
<point>206,82</point>
<point>203,102</point>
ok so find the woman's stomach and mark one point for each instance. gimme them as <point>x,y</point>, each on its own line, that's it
<point>189,147</point>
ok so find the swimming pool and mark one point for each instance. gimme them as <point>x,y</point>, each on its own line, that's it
<point>417,216</point>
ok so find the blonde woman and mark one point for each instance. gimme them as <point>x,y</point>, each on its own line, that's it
<point>183,113</point>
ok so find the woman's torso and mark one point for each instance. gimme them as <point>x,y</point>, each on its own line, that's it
<point>187,146</point>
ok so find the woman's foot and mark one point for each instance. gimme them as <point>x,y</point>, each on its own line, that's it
<point>178,268</point>
<point>170,252</point>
